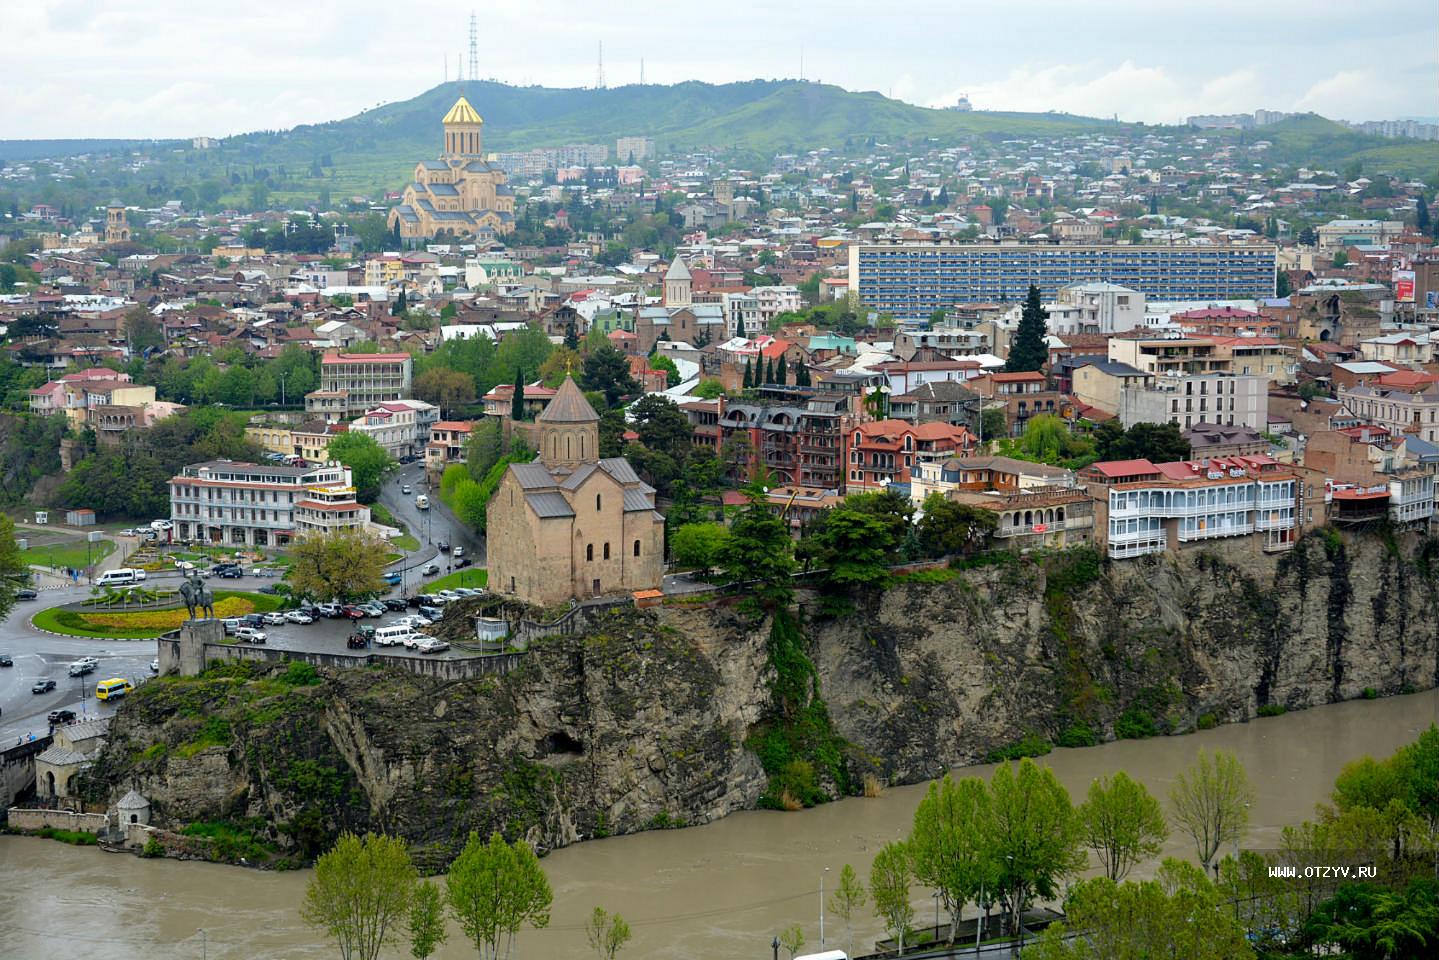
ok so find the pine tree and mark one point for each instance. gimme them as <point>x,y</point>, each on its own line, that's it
<point>942,201</point>
<point>769,371</point>
<point>399,307</point>
<point>1154,203</point>
<point>748,376</point>
<point>1027,351</point>
<point>1421,215</point>
<point>517,402</point>
<point>780,373</point>
<point>801,376</point>
<point>739,327</point>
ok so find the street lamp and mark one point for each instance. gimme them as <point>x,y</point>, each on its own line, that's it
<point>774,945</point>
<point>821,906</point>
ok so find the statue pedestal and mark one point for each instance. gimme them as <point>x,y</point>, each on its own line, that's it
<point>194,634</point>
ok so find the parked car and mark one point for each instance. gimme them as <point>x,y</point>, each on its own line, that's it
<point>467,592</point>
<point>275,619</point>
<point>271,588</point>
<point>451,596</point>
<point>298,616</point>
<point>354,612</point>
<point>430,569</point>
<point>227,573</point>
<point>431,645</point>
<point>331,610</point>
<point>254,619</point>
<point>251,635</point>
<point>372,608</point>
<point>393,579</point>
<point>394,603</point>
<point>60,716</point>
<point>42,686</point>
<point>463,562</point>
<point>231,624</point>
<point>25,593</point>
<point>443,546</point>
<point>5,660</point>
<point>434,614</point>
<point>459,552</point>
<point>155,666</point>
<point>414,621</point>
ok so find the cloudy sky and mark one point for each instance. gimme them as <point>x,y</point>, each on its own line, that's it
<point>171,68</point>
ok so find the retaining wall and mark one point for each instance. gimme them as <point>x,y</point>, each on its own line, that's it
<point>22,819</point>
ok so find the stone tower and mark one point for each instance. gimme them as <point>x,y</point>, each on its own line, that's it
<point>569,430</point>
<point>678,284</point>
<point>462,132</point>
<point>117,228</point>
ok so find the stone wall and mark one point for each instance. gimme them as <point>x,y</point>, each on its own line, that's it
<point>456,668</point>
<point>33,820</point>
<point>17,768</point>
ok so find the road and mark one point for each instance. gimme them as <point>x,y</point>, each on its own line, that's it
<point>432,525</point>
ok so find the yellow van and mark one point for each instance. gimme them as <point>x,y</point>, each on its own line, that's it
<point>110,689</point>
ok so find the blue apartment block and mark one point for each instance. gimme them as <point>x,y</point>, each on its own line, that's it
<point>912,280</point>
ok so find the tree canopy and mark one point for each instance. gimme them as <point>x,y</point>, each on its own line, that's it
<point>1027,351</point>
<point>367,460</point>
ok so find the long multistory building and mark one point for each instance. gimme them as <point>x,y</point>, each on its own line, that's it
<point>353,383</point>
<point>262,504</point>
<point>910,281</point>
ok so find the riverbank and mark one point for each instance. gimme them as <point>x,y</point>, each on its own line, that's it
<point>720,890</point>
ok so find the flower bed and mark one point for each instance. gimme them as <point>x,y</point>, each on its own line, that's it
<point>144,624</point>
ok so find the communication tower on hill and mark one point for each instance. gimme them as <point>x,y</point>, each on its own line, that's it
<point>474,48</point>
<point>600,69</point>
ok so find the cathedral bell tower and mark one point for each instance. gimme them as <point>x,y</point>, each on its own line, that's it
<point>462,132</point>
<point>569,429</point>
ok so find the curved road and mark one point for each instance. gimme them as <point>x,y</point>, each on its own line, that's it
<point>432,525</point>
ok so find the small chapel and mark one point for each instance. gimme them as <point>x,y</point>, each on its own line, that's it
<point>573,525</point>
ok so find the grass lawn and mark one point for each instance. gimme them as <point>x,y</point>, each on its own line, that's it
<point>147,624</point>
<point>67,553</point>
<point>475,577</point>
<point>405,541</point>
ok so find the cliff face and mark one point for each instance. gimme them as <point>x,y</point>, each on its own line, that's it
<point>642,722</point>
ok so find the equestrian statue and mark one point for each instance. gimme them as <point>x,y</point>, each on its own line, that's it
<point>197,596</point>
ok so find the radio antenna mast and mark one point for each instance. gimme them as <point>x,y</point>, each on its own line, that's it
<point>474,48</point>
<point>600,70</point>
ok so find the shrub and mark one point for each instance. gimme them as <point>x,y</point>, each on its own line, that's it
<point>300,674</point>
<point>1207,721</point>
<point>1370,693</point>
<point>1030,745</point>
<point>1271,710</point>
<point>1077,735</point>
<point>77,838</point>
<point>153,848</point>
<point>1135,724</point>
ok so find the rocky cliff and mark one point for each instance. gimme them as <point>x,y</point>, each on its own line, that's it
<point>684,714</point>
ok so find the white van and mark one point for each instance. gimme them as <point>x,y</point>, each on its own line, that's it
<point>119,576</point>
<point>422,502</point>
<point>389,636</point>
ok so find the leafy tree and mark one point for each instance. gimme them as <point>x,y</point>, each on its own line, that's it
<point>889,881</point>
<point>1341,259</point>
<point>612,430</point>
<point>1368,922</point>
<point>14,571</point>
<point>954,528</point>
<point>1210,802</point>
<point>1283,286</point>
<point>1155,442</point>
<point>993,424</point>
<point>1178,914</point>
<point>494,889</point>
<point>662,426</point>
<point>445,388</point>
<point>792,940</point>
<point>1421,214</point>
<point>367,460</point>
<point>572,339</point>
<point>748,376</point>
<point>948,842</point>
<point>607,933</point>
<point>427,920</point>
<point>801,375</point>
<point>760,549</point>
<point>855,542</point>
<point>360,893</point>
<point>484,448</point>
<point>659,361</point>
<point>608,371</point>
<point>398,308</point>
<point>699,546</point>
<point>1027,351</point>
<point>848,897</point>
<point>143,331</point>
<point>1034,843</point>
<point>1122,823</point>
<point>343,565</point>
<point>709,388</point>
<point>559,365</point>
<point>1307,237</point>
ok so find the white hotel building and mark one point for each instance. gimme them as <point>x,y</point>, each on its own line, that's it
<point>262,504</point>
<point>1142,507</point>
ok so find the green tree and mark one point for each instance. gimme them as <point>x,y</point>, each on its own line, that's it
<point>1283,286</point>
<point>748,382</point>
<point>484,448</point>
<point>1122,823</point>
<point>607,933</point>
<point>760,549</point>
<point>709,388</point>
<point>1027,351</point>
<point>954,528</point>
<point>992,424</point>
<point>1368,922</point>
<point>947,844</point>
<point>699,546</point>
<point>445,388</point>
<point>1341,259</point>
<point>1421,214</point>
<point>662,426</point>
<point>517,398</point>
<point>427,920</point>
<point>1155,442</point>
<point>494,889</point>
<point>855,542</point>
<point>1210,802</point>
<point>1178,914</point>
<point>608,371</point>
<point>889,882</point>
<point>367,460</point>
<point>360,893</point>
<point>343,565</point>
<point>659,361</point>
<point>1034,842</point>
<point>848,897</point>
<point>143,331</point>
<point>14,571</point>
<point>791,939</point>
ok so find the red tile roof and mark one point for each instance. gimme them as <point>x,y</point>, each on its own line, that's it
<point>1124,468</point>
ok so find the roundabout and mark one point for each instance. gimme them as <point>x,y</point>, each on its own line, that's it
<point>94,619</point>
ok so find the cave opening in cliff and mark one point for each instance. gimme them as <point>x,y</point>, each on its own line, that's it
<point>561,742</point>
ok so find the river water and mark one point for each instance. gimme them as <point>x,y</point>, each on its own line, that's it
<point>717,891</point>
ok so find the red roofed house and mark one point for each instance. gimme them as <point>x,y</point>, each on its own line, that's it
<point>499,402</point>
<point>352,383</point>
<point>448,439</point>
<point>650,381</point>
<point>1024,395</point>
<point>883,452</point>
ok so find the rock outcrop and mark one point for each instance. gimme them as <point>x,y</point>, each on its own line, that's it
<point>642,721</point>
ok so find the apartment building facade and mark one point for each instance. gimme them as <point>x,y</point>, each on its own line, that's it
<point>351,383</point>
<point>912,280</point>
<point>400,427</point>
<point>798,433</point>
<point>1398,411</point>
<point>1035,506</point>
<point>262,505</point>
<point>1191,399</point>
<point>1143,508</point>
<point>887,451</point>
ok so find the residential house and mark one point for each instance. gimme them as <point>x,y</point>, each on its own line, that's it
<point>885,451</point>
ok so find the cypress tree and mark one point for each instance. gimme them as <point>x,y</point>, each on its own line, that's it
<point>768,371</point>
<point>1027,351</point>
<point>1421,215</point>
<point>748,376</point>
<point>801,375</point>
<point>517,402</point>
<point>780,373</point>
